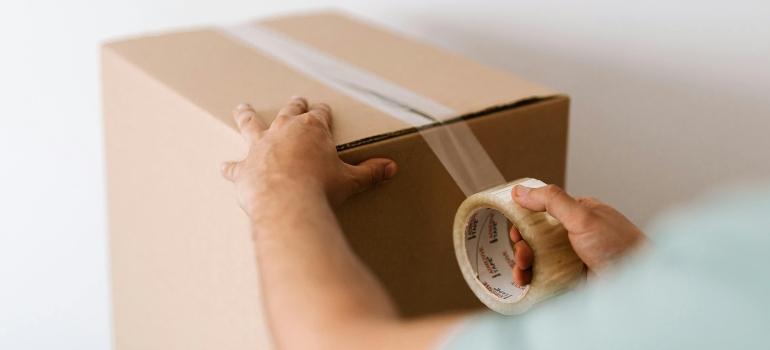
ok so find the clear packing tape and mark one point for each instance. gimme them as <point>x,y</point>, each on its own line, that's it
<point>555,268</point>
<point>454,143</point>
<point>483,250</point>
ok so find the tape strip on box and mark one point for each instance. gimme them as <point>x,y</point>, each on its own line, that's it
<point>454,143</point>
<point>482,243</point>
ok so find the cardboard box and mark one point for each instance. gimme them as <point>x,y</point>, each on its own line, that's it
<point>183,269</point>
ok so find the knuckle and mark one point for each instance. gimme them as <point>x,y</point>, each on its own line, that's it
<point>312,119</point>
<point>365,179</point>
<point>309,119</point>
<point>281,119</point>
<point>319,113</point>
<point>553,192</point>
<point>592,202</point>
<point>300,101</point>
<point>374,175</point>
<point>359,182</point>
<point>244,120</point>
<point>239,117</point>
<point>297,104</point>
<point>324,107</point>
<point>583,221</point>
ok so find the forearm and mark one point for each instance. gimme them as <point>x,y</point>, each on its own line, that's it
<point>310,276</point>
<point>317,293</point>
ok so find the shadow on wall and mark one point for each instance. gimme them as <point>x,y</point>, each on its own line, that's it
<point>641,142</point>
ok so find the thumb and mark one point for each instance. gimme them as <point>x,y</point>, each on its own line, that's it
<point>372,173</point>
<point>555,201</point>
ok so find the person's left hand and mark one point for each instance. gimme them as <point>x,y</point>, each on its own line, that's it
<point>296,156</point>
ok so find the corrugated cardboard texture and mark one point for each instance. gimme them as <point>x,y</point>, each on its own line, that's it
<point>184,275</point>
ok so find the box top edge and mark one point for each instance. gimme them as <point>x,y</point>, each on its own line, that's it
<point>527,90</point>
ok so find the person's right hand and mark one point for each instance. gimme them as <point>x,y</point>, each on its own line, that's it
<point>600,235</point>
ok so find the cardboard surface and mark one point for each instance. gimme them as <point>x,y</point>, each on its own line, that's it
<point>217,73</point>
<point>183,270</point>
<point>402,230</point>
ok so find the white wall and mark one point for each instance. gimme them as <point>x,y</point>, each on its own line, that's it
<point>668,101</point>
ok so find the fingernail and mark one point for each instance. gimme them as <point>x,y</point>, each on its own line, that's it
<point>243,106</point>
<point>522,191</point>
<point>296,97</point>
<point>390,171</point>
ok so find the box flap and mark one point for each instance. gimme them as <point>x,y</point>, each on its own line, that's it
<point>216,73</point>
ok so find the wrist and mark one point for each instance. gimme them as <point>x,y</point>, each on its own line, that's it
<point>276,194</point>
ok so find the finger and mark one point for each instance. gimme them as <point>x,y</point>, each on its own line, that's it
<point>248,121</point>
<point>522,277</point>
<point>229,170</point>
<point>323,111</point>
<point>297,105</point>
<point>371,173</point>
<point>590,202</point>
<point>556,202</point>
<point>515,234</point>
<point>522,255</point>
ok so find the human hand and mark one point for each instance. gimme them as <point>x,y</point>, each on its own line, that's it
<point>296,156</point>
<point>600,235</point>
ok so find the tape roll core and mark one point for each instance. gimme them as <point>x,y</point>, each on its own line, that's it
<point>489,251</point>
<point>484,253</point>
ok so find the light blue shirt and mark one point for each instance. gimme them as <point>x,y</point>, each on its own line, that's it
<point>704,285</point>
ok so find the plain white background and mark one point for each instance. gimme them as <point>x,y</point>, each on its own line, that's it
<point>669,101</point>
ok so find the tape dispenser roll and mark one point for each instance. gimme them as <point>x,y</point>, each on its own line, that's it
<point>485,254</point>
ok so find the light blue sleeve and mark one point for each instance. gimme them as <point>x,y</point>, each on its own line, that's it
<point>704,285</point>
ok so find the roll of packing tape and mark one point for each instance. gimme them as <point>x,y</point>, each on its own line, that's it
<point>485,254</point>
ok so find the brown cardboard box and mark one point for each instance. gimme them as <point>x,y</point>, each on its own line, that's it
<point>184,274</point>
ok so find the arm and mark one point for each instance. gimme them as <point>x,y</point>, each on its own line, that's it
<point>317,293</point>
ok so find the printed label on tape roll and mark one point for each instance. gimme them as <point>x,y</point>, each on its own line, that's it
<point>489,247</point>
<point>489,250</point>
